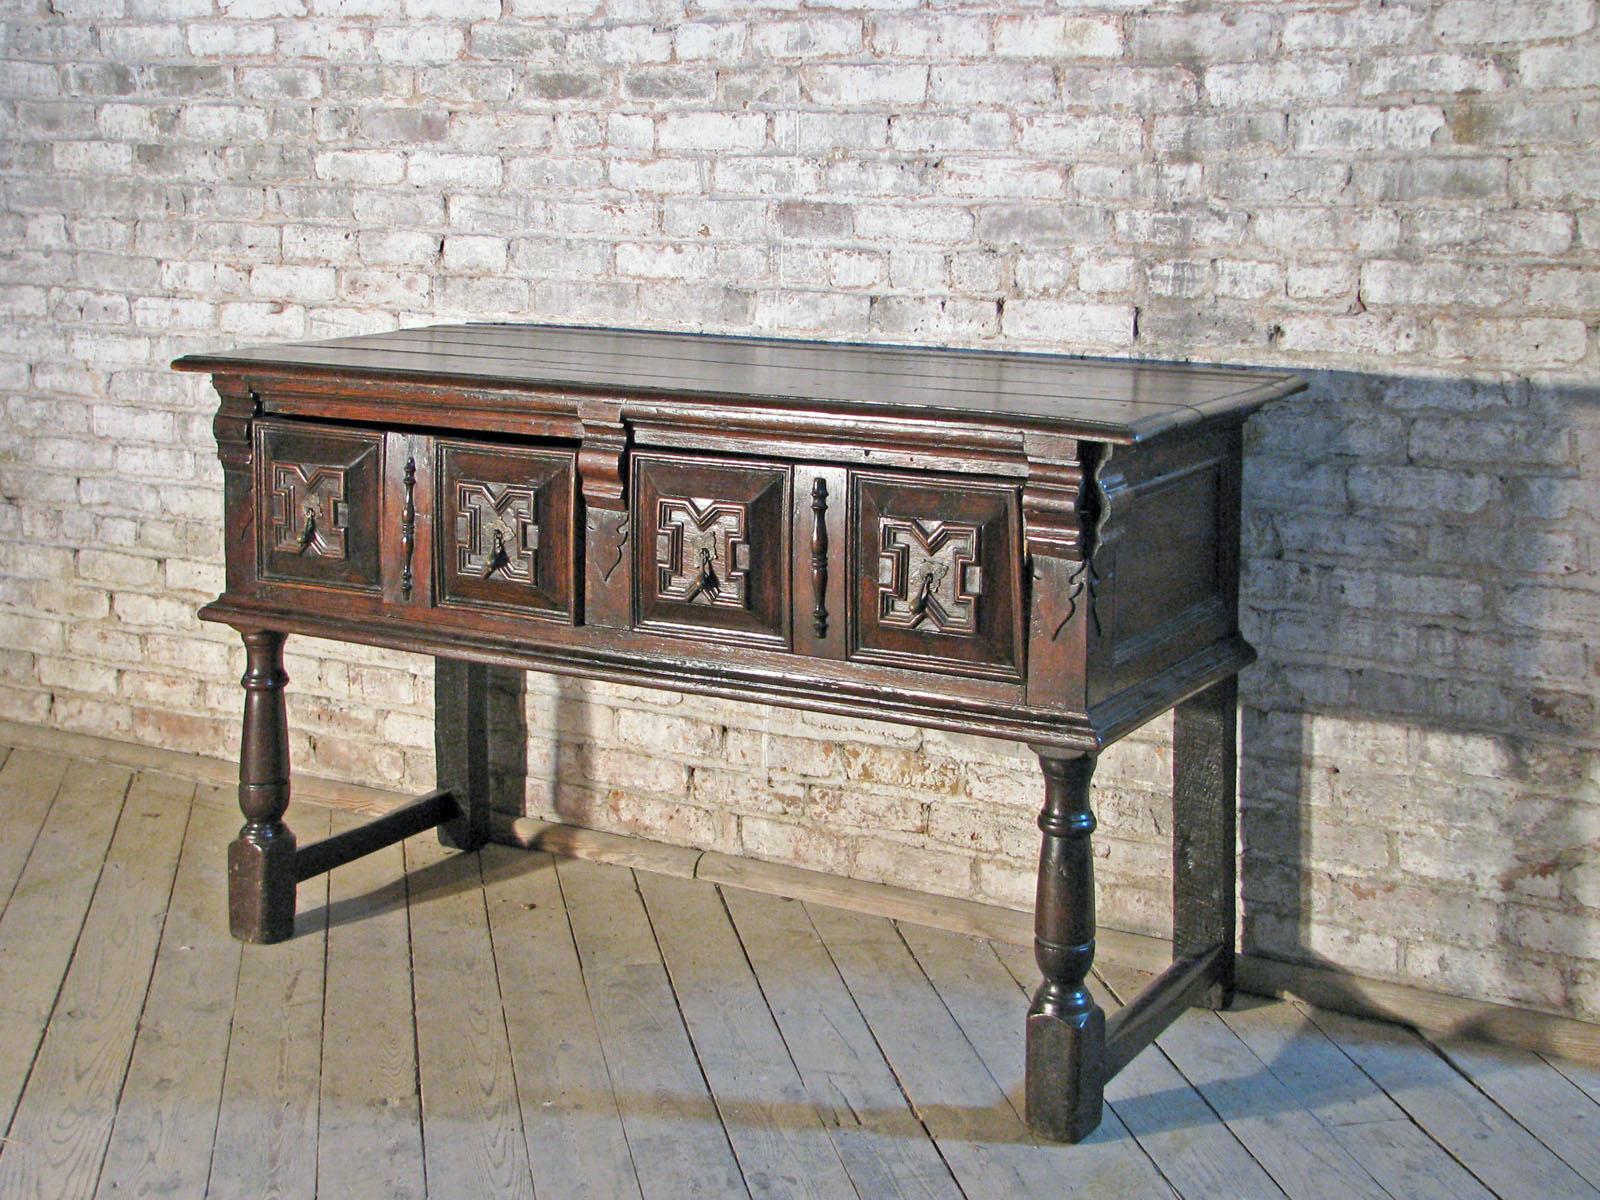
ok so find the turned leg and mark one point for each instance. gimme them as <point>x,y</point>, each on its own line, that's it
<point>461,748</point>
<point>1204,827</point>
<point>261,860</point>
<point>1066,1029</point>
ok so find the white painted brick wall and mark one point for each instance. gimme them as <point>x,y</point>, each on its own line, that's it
<point>1401,199</point>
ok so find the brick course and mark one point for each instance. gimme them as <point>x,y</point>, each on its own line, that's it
<point>1402,200</point>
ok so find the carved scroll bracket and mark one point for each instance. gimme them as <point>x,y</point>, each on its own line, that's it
<point>237,410</point>
<point>231,426</point>
<point>1057,521</point>
<point>603,480</point>
<point>1052,499</point>
<point>602,458</point>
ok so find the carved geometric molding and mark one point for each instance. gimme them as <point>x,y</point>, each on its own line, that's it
<point>928,574</point>
<point>702,552</point>
<point>309,513</point>
<point>496,530</point>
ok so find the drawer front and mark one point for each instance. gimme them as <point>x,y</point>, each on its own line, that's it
<point>935,566</point>
<point>319,489</point>
<point>503,537</point>
<point>712,552</point>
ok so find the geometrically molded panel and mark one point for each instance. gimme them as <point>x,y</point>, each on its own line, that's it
<point>934,565</point>
<point>702,551</point>
<point>319,517</point>
<point>929,575</point>
<point>503,534</point>
<point>713,548</point>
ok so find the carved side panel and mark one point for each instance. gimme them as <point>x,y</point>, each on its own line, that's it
<point>936,569</point>
<point>712,554</point>
<point>320,487</point>
<point>504,528</point>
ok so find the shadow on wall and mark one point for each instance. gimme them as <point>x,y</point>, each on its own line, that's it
<point>1417,779</point>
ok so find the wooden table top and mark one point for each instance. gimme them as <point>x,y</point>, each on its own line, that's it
<point>1118,400</point>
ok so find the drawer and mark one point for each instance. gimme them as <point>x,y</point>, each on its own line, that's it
<point>934,564</point>
<point>503,536</point>
<point>319,489</point>
<point>712,551</point>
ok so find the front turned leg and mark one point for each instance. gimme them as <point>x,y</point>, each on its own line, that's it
<point>1066,1028</point>
<point>261,866</point>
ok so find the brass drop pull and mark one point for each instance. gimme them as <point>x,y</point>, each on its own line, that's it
<point>308,533</point>
<point>497,557</point>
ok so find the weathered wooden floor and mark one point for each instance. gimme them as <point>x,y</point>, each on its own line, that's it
<point>508,1024</point>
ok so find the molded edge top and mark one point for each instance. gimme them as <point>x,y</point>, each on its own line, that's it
<point>1101,399</point>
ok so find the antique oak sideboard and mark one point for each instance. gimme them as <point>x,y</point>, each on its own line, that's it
<point>1021,546</point>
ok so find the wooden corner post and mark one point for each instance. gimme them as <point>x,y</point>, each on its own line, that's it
<point>461,749</point>
<point>1205,752</point>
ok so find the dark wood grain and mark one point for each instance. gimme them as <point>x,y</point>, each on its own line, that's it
<point>261,872</point>
<point>461,749</point>
<point>1124,401</point>
<point>958,543</point>
<point>1023,546</point>
<point>1066,1028</point>
<point>1205,829</point>
<point>317,491</point>
<point>394,826</point>
<point>726,525</point>
<point>504,528</point>
<point>1153,1009</point>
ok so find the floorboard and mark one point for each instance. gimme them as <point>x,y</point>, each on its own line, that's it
<point>29,781</point>
<point>508,1024</point>
<point>369,1108</point>
<point>266,1143</point>
<point>58,1139</point>
<point>679,1147</point>
<point>1541,1099</point>
<point>167,1113</point>
<point>972,983</point>
<point>968,1111</point>
<point>39,929</point>
<point>1291,1144</point>
<point>1173,1124</point>
<point>576,1143</point>
<point>886,1150</point>
<point>1372,1127</point>
<point>1454,1112</point>
<point>473,1139</point>
<point>783,1149</point>
<point>1584,1076</point>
